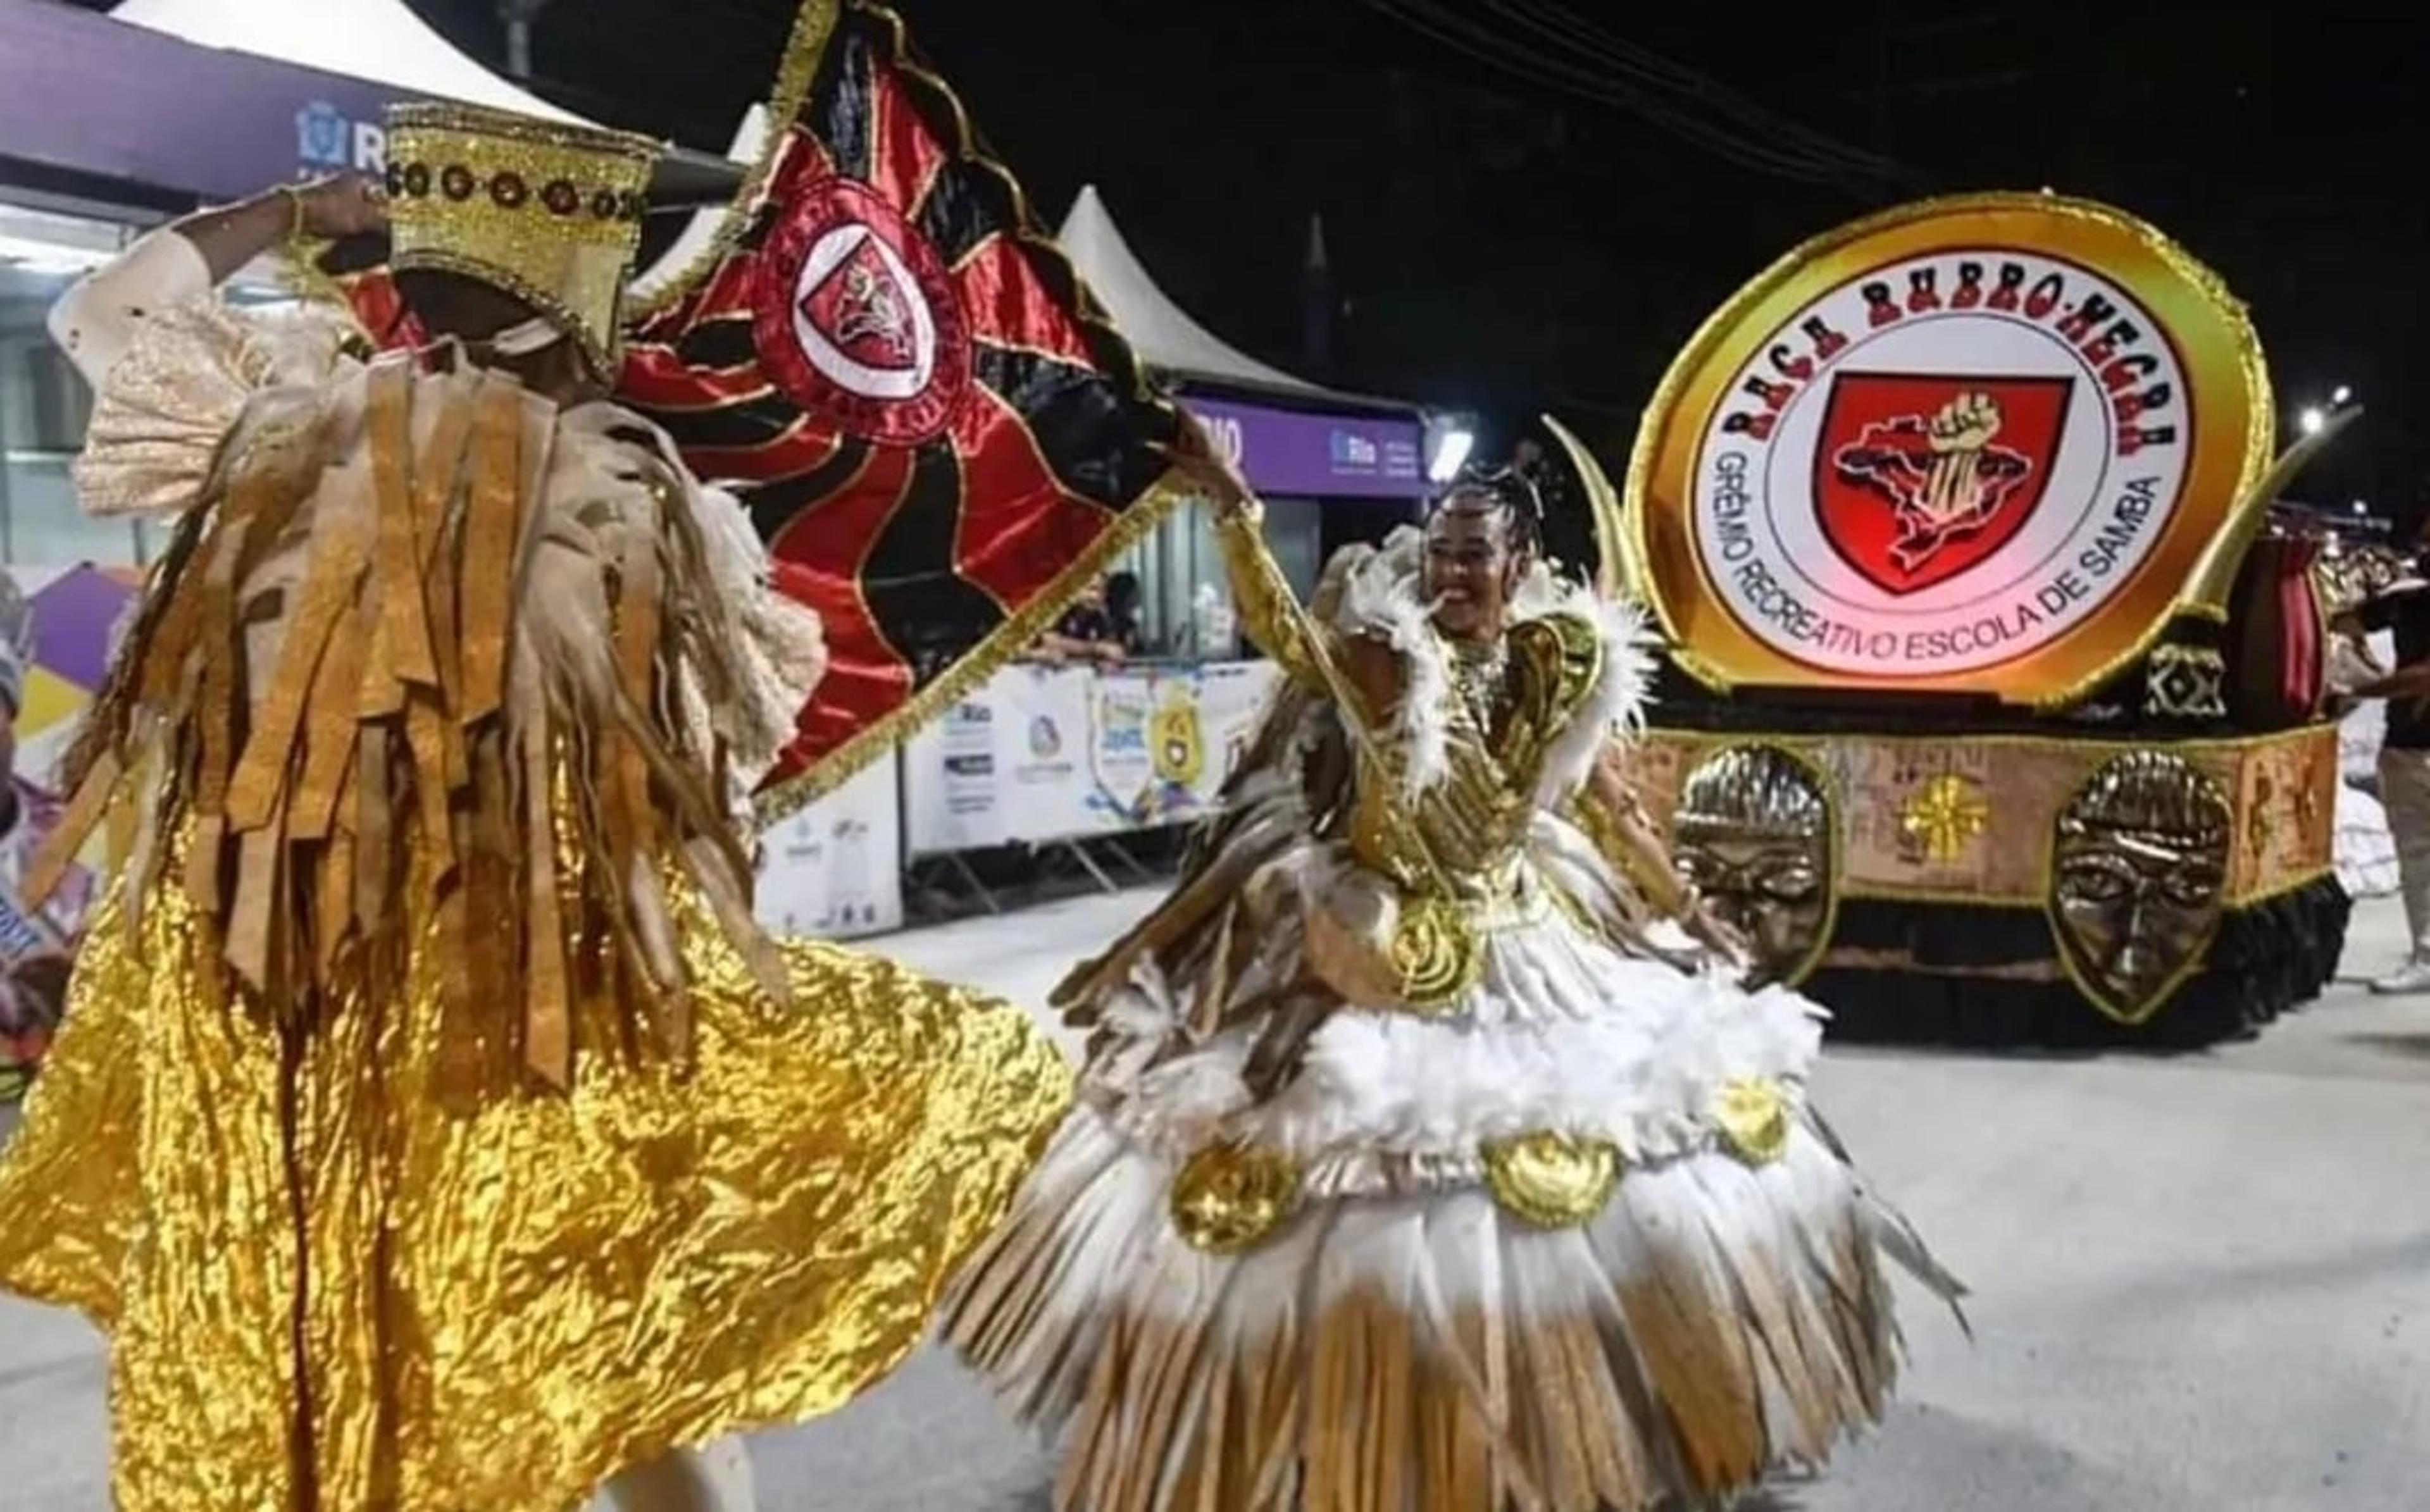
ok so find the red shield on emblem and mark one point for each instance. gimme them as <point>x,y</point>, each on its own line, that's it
<point>856,318</point>
<point>861,305</point>
<point>1918,477</point>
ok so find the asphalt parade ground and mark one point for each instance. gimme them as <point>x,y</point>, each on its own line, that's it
<point>2200,1284</point>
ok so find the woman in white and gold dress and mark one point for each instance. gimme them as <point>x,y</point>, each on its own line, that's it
<point>1424,1161</point>
<point>431,1129</point>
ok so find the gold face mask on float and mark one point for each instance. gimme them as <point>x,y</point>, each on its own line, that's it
<point>1752,834</point>
<point>2139,865</point>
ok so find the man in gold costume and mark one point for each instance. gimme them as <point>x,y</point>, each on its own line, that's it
<point>432,1129</point>
<point>1431,1157</point>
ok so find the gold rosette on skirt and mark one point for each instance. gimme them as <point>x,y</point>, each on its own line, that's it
<point>1380,948</point>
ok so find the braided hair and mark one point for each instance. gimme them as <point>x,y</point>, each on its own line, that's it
<point>1510,491</point>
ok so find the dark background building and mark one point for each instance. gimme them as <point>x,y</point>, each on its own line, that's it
<point>1532,203</point>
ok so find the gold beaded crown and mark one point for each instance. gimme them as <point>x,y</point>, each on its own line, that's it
<point>549,213</point>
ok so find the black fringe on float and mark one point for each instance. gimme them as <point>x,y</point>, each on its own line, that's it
<point>2266,958</point>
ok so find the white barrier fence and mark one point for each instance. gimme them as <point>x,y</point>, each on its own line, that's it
<point>1037,755</point>
<point>835,869</point>
<point>1049,753</point>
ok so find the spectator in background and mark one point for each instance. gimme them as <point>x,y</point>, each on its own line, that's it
<point>1126,604</point>
<point>2405,763</point>
<point>37,946</point>
<point>1085,633</point>
<point>1529,459</point>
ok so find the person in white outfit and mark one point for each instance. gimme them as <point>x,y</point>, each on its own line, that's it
<point>2366,847</point>
<point>1431,1155</point>
<point>2404,775</point>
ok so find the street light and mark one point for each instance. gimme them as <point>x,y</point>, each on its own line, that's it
<point>2343,394</point>
<point>1451,452</point>
<point>2312,420</point>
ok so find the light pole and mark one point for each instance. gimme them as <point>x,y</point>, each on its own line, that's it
<point>518,16</point>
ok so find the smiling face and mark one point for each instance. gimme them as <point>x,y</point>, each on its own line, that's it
<point>1472,565</point>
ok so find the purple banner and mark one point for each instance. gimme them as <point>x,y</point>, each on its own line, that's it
<point>86,95</point>
<point>1285,452</point>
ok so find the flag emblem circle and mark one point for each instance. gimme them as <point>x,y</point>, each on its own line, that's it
<point>857,318</point>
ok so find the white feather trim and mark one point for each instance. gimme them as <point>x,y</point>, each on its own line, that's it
<point>1563,1033</point>
<point>1614,708</point>
<point>1134,1262</point>
<point>1381,599</point>
<point>1384,597</point>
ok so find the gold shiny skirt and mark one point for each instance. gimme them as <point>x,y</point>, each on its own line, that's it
<point>330,1289</point>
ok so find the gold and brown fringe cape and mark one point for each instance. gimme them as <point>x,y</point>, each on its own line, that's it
<point>445,677</point>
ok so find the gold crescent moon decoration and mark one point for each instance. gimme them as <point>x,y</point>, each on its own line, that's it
<point>1615,570</point>
<point>2207,592</point>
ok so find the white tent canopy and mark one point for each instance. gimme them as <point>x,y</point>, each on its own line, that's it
<point>699,235</point>
<point>1158,330</point>
<point>376,40</point>
<point>382,40</point>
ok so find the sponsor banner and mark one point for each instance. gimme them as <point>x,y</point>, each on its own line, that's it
<point>952,799</point>
<point>1286,452</point>
<point>834,868</point>
<point>1979,444</point>
<point>1041,754</point>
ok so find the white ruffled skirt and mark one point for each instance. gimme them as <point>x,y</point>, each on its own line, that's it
<point>2365,849</point>
<point>1410,1336</point>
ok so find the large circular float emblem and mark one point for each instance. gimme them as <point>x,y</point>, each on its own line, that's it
<point>1974,444</point>
<point>857,318</point>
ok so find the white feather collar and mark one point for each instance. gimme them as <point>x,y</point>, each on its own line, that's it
<point>1383,599</point>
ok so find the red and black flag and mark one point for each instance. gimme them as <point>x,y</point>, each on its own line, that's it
<point>938,432</point>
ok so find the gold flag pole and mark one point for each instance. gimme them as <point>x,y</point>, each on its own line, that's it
<point>1229,492</point>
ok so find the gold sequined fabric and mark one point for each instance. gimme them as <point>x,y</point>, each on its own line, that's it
<point>549,212</point>
<point>323,1292</point>
<point>437,1133</point>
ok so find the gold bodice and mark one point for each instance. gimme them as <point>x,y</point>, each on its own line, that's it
<point>1458,839</point>
<point>1462,838</point>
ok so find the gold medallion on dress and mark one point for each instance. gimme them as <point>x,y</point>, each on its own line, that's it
<point>1228,1197</point>
<point>1753,1115</point>
<point>1552,1180</point>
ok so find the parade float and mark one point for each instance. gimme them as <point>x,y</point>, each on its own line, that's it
<point>1992,711</point>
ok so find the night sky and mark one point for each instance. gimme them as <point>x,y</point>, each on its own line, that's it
<point>1531,209</point>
